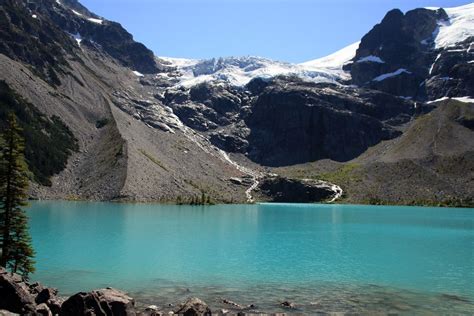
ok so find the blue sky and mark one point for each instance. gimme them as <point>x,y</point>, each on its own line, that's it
<point>287,30</point>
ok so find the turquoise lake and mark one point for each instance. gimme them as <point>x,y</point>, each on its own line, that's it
<point>337,258</point>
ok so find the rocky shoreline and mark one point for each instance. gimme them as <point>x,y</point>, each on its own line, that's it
<point>20,297</point>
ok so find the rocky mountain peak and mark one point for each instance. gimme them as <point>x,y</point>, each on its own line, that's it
<point>400,52</point>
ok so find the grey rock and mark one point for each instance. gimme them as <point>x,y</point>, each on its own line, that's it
<point>7,313</point>
<point>194,306</point>
<point>279,189</point>
<point>46,295</point>
<point>43,309</point>
<point>14,294</point>
<point>104,302</point>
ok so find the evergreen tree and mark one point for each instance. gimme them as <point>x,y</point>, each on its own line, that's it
<point>15,242</point>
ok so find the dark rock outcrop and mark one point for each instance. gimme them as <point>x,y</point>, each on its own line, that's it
<point>452,72</point>
<point>44,41</point>
<point>234,143</point>
<point>291,123</point>
<point>37,42</point>
<point>400,41</point>
<point>103,302</point>
<point>18,296</point>
<point>194,306</point>
<point>15,294</point>
<point>279,189</point>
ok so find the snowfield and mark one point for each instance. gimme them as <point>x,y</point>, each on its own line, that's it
<point>458,28</point>
<point>239,71</point>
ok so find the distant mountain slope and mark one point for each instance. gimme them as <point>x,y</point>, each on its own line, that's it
<point>123,153</point>
<point>431,163</point>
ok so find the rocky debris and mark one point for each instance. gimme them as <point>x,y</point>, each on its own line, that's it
<point>151,310</point>
<point>193,306</point>
<point>279,189</point>
<point>107,301</point>
<point>18,296</point>
<point>237,306</point>
<point>231,303</point>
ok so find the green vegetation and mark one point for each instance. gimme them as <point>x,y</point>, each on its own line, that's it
<point>15,241</point>
<point>450,202</point>
<point>153,159</point>
<point>49,142</point>
<point>347,173</point>
<point>204,199</point>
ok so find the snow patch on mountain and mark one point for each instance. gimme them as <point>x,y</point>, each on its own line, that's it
<point>391,74</point>
<point>238,71</point>
<point>97,21</point>
<point>457,28</point>
<point>371,59</point>
<point>333,63</point>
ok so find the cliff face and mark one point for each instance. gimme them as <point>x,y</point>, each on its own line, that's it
<point>403,55</point>
<point>120,124</point>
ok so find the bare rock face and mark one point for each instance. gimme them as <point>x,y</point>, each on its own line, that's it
<point>452,73</point>
<point>279,189</point>
<point>295,123</point>
<point>14,294</point>
<point>194,306</point>
<point>104,302</point>
<point>400,41</point>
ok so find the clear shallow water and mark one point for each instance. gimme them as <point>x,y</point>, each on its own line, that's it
<point>324,257</point>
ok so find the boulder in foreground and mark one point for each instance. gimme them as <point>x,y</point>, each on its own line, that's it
<point>102,302</point>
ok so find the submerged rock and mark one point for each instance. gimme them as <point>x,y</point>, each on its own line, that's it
<point>194,306</point>
<point>288,304</point>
